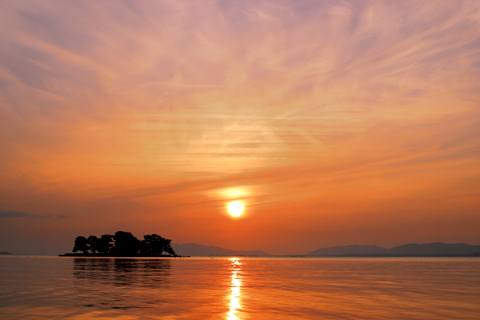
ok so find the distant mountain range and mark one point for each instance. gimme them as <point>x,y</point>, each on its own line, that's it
<point>408,250</point>
<point>3,253</point>
<point>198,250</point>
<point>436,248</point>
<point>347,250</point>
<point>412,249</point>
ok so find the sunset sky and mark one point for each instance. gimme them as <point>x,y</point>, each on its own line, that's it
<point>330,122</point>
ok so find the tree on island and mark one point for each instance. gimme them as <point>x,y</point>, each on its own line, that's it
<point>154,245</point>
<point>81,244</point>
<point>105,244</point>
<point>124,244</point>
<point>93,243</point>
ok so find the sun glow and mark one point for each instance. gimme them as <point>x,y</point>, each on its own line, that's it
<point>235,208</point>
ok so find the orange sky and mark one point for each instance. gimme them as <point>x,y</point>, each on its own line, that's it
<point>333,122</point>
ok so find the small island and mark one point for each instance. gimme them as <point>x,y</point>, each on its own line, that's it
<point>3,253</point>
<point>122,244</point>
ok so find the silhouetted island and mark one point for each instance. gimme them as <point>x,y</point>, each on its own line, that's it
<point>3,253</point>
<point>122,244</point>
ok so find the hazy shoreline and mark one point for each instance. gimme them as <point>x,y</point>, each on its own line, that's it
<point>278,256</point>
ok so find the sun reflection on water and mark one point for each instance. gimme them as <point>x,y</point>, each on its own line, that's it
<point>235,290</point>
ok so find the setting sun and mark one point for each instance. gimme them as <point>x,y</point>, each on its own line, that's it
<point>235,208</point>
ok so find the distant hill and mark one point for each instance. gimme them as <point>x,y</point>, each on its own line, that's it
<point>435,249</point>
<point>412,249</point>
<point>5,253</point>
<point>346,251</point>
<point>192,249</point>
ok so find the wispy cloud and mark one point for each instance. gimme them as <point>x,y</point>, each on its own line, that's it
<point>23,214</point>
<point>131,105</point>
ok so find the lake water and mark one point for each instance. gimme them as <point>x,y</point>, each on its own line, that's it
<point>239,288</point>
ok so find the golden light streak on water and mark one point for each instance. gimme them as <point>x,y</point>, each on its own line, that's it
<point>235,290</point>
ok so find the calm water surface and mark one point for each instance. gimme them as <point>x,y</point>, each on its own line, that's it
<point>238,288</point>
